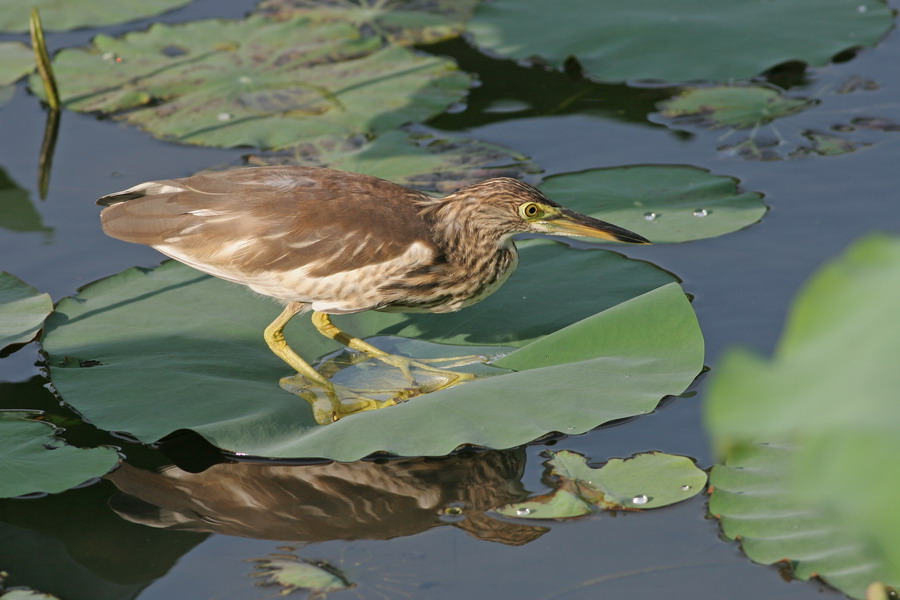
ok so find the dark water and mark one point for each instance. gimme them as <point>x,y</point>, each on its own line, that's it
<point>76,546</point>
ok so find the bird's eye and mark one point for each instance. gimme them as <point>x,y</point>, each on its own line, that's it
<point>531,210</point>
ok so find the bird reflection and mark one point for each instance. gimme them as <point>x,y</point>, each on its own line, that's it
<point>346,501</point>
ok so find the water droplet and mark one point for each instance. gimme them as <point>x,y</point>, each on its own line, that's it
<point>650,216</point>
<point>685,487</point>
<point>224,116</point>
<point>523,511</point>
<point>640,499</point>
<point>701,212</point>
<point>861,8</point>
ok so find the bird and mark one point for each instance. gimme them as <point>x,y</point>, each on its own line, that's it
<point>332,242</point>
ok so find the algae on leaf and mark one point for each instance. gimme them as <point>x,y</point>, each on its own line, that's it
<point>664,203</point>
<point>255,82</point>
<point>398,21</point>
<point>689,40</point>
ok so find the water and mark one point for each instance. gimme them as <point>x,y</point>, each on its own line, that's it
<point>77,546</point>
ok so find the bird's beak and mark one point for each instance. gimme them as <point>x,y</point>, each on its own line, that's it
<point>570,222</point>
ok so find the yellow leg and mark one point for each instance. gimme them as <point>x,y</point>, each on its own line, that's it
<point>274,336</point>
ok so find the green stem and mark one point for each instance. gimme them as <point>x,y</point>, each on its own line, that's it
<point>42,57</point>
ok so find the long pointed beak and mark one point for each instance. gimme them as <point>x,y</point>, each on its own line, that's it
<point>570,222</point>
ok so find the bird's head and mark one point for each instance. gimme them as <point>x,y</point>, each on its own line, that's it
<point>510,206</point>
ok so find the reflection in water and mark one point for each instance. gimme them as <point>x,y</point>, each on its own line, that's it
<point>315,503</point>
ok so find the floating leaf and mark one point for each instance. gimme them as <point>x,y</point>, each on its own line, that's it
<point>686,41</point>
<point>75,14</point>
<point>398,21</point>
<point>648,480</point>
<point>155,369</point>
<point>825,144</point>
<point>292,573</point>
<point>18,213</point>
<point>754,500</point>
<point>424,161</point>
<point>255,82</point>
<point>663,203</point>
<point>16,60</point>
<point>22,311</point>
<point>33,459</point>
<point>736,106</point>
<point>831,390</point>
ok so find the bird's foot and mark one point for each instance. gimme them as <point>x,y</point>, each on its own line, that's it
<point>432,378</point>
<point>334,402</point>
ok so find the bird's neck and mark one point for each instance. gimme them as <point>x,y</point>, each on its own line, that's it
<point>462,238</point>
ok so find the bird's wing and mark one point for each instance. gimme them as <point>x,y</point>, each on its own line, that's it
<point>237,224</point>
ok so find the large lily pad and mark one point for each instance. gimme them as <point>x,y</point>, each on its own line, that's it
<point>33,460</point>
<point>398,21</point>
<point>151,352</point>
<point>650,480</point>
<point>689,40</point>
<point>57,15</point>
<point>830,390</point>
<point>421,160</point>
<point>22,311</point>
<point>661,202</point>
<point>255,82</point>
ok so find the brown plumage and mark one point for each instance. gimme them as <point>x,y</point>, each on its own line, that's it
<point>338,242</point>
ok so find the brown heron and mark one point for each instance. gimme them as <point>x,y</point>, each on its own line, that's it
<point>335,242</point>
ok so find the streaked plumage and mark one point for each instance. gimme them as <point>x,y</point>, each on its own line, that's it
<point>338,242</point>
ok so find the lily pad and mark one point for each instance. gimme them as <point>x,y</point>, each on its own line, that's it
<point>691,40</point>
<point>291,573</point>
<point>16,60</point>
<point>33,459</point>
<point>255,82</point>
<point>831,391</point>
<point>661,202</point>
<point>420,160</point>
<point>18,212</point>
<point>161,359</point>
<point>735,106</point>
<point>22,311</point>
<point>398,21</point>
<point>753,499</point>
<point>76,14</point>
<point>648,480</point>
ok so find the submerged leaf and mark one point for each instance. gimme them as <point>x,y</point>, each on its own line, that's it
<point>75,14</point>
<point>661,202</point>
<point>22,311</point>
<point>165,361</point>
<point>255,82</point>
<point>398,21</point>
<point>33,459</point>
<point>648,480</point>
<point>690,40</point>
<point>18,212</point>
<point>292,573</point>
<point>831,392</point>
<point>421,160</point>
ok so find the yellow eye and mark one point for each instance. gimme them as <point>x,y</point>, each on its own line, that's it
<point>530,210</point>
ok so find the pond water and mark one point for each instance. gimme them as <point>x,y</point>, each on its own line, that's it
<point>78,546</point>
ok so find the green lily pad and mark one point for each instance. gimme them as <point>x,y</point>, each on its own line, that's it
<point>18,212</point>
<point>57,15</point>
<point>291,573</point>
<point>648,480</point>
<point>398,21</point>
<point>255,82</point>
<point>161,359</point>
<point>755,503</point>
<point>33,460</point>
<point>690,40</point>
<point>420,160</point>
<point>831,391</point>
<point>16,60</point>
<point>736,106</point>
<point>22,311</point>
<point>661,202</point>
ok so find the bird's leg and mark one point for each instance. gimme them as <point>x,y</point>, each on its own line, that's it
<point>274,336</point>
<point>323,323</point>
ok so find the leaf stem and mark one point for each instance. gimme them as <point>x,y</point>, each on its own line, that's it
<point>42,57</point>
